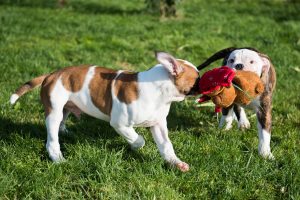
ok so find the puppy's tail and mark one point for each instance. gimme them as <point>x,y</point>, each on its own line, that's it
<point>26,87</point>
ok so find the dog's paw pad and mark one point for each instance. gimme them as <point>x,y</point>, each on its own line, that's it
<point>184,167</point>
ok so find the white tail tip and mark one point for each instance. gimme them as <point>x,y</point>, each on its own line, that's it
<point>14,98</point>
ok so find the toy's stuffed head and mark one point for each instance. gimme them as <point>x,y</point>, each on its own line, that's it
<point>250,86</point>
<point>226,86</point>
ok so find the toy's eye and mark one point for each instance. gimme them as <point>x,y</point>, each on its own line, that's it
<point>251,62</point>
<point>231,61</point>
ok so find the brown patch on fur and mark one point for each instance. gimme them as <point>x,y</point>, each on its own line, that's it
<point>264,115</point>
<point>47,87</point>
<point>72,79</point>
<point>126,87</point>
<point>100,89</point>
<point>186,80</point>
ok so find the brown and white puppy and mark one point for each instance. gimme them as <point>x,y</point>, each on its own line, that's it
<point>124,99</point>
<point>250,59</point>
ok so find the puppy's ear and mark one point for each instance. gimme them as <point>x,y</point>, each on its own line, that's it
<point>169,62</point>
<point>267,63</point>
<point>224,53</point>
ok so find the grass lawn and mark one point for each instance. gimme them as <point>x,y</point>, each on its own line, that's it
<point>37,37</point>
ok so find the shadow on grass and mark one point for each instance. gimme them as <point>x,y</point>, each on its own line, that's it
<point>186,117</point>
<point>87,129</point>
<point>81,7</point>
<point>97,133</point>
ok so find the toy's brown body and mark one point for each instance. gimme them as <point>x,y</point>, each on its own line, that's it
<point>245,87</point>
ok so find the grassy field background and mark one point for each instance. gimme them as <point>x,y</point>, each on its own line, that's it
<point>38,37</point>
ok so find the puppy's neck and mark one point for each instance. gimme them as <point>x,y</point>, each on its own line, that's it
<point>158,82</point>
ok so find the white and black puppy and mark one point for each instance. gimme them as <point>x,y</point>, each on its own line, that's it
<point>124,99</point>
<point>250,59</point>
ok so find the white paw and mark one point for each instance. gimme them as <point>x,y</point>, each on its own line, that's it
<point>55,153</point>
<point>228,126</point>
<point>244,124</point>
<point>227,121</point>
<point>57,157</point>
<point>265,152</point>
<point>138,143</point>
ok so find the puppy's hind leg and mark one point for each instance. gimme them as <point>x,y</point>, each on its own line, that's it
<point>62,126</point>
<point>53,121</point>
<point>54,104</point>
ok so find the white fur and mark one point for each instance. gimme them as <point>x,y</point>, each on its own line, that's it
<point>58,98</point>
<point>245,56</point>
<point>227,120</point>
<point>264,137</point>
<point>13,98</point>
<point>243,123</point>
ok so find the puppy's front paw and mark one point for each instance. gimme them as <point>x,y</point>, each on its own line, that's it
<point>182,166</point>
<point>266,154</point>
<point>139,143</point>
<point>244,124</point>
<point>227,121</point>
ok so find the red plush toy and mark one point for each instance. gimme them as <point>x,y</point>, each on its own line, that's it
<point>224,86</point>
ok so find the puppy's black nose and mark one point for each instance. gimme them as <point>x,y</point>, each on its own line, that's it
<point>239,66</point>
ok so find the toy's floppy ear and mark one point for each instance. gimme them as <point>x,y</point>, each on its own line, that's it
<point>169,62</point>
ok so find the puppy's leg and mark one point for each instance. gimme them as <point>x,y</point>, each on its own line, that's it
<point>54,103</point>
<point>62,126</point>
<point>53,121</point>
<point>243,122</point>
<point>165,147</point>
<point>227,118</point>
<point>264,123</point>
<point>135,140</point>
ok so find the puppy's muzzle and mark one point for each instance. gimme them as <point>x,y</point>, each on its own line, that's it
<point>239,66</point>
<point>195,89</point>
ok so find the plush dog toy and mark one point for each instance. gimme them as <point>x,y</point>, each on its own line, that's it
<point>225,86</point>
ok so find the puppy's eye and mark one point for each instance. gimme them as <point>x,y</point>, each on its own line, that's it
<point>231,61</point>
<point>251,62</point>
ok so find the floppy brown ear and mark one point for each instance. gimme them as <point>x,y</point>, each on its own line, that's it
<point>218,55</point>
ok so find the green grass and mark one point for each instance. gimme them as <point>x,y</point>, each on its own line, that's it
<point>37,37</point>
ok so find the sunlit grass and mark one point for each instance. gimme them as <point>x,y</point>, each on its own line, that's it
<point>38,37</point>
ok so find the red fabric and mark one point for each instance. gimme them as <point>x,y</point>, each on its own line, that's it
<point>214,79</point>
